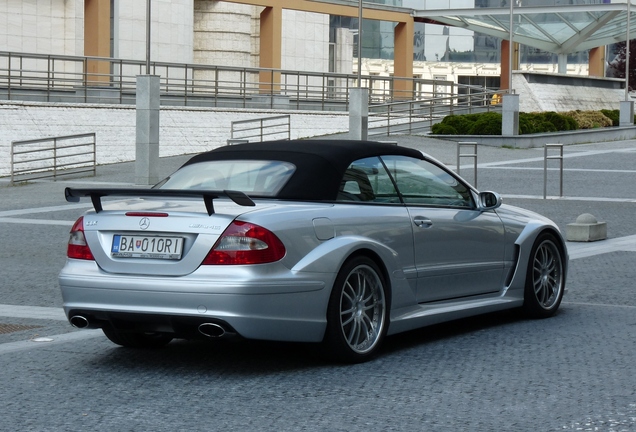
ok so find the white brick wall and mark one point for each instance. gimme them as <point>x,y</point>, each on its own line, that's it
<point>182,130</point>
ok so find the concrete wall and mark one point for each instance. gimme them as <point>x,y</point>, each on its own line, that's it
<point>553,92</point>
<point>42,26</point>
<point>182,130</point>
<point>171,30</point>
<point>305,41</point>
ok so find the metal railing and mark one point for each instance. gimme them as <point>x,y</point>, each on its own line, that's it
<point>418,116</point>
<point>52,157</point>
<point>472,155</point>
<point>264,129</point>
<point>57,78</point>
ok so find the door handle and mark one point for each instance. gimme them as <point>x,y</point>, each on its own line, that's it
<point>422,221</point>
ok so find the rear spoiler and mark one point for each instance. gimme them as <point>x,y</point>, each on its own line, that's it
<point>74,195</point>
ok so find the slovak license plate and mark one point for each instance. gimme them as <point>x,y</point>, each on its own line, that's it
<point>155,247</point>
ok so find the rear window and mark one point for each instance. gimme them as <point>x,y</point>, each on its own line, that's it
<point>254,177</point>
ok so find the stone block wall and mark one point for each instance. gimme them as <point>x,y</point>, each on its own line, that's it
<point>182,130</point>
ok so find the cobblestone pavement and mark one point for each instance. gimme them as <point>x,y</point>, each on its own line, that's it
<point>572,372</point>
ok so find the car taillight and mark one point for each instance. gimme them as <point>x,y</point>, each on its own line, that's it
<point>245,243</point>
<point>77,246</point>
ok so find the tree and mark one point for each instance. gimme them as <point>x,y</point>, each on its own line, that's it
<point>616,67</point>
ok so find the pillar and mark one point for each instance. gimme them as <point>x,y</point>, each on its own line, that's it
<point>563,63</point>
<point>271,41</point>
<point>510,115</point>
<point>97,40</point>
<point>403,60</point>
<point>359,113</point>
<point>147,130</point>
<point>505,68</point>
<point>596,62</point>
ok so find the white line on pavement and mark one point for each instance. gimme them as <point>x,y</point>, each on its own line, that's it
<point>37,221</point>
<point>587,249</point>
<point>603,171</point>
<point>594,199</point>
<point>540,159</point>
<point>9,213</point>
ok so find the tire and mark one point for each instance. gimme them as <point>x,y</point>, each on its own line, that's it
<point>137,340</point>
<point>357,312</point>
<point>545,280</point>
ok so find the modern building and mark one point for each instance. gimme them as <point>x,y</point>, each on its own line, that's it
<point>318,36</point>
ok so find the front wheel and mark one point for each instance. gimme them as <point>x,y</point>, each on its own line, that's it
<point>137,339</point>
<point>357,312</point>
<point>545,281</point>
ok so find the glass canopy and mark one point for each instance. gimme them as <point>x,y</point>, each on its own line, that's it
<point>557,29</point>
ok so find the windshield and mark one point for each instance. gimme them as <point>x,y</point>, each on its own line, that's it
<point>253,177</point>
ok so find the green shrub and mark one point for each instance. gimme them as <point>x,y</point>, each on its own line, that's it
<point>528,123</point>
<point>443,129</point>
<point>559,121</point>
<point>613,115</point>
<point>489,123</point>
<point>461,123</point>
<point>486,124</point>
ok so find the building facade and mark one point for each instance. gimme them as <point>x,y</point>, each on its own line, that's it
<point>227,33</point>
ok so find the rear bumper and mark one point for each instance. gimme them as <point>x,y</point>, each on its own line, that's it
<point>284,306</point>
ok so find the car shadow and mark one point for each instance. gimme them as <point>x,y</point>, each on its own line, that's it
<point>450,330</point>
<point>248,357</point>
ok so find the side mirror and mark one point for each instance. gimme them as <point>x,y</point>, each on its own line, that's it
<point>489,201</point>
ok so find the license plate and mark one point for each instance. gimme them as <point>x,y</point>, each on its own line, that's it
<point>154,247</point>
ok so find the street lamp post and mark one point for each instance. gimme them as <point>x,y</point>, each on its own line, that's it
<point>147,120</point>
<point>359,97</point>
<point>629,10</point>
<point>147,37</point>
<point>359,43</point>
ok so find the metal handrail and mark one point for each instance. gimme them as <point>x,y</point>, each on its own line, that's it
<point>52,157</point>
<point>66,78</point>
<point>265,127</point>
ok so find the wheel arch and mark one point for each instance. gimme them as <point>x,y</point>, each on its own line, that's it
<point>525,242</point>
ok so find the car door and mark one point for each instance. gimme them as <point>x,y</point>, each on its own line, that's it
<point>459,250</point>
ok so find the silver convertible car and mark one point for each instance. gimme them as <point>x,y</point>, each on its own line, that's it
<point>335,242</point>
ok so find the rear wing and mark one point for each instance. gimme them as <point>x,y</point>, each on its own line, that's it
<point>74,195</point>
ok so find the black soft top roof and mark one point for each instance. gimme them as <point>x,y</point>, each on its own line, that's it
<point>320,164</point>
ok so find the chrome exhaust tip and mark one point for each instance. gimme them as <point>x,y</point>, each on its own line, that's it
<point>79,321</point>
<point>211,330</point>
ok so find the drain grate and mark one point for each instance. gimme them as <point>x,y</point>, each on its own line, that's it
<point>10,328</point>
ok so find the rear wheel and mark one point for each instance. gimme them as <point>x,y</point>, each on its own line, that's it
<point>545,281</point>
<point>357,312</point>
<point>136,339</point>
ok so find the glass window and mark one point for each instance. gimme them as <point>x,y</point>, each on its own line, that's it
<point>367,180</point>
<point>422,182</point>
<point>253,177</point>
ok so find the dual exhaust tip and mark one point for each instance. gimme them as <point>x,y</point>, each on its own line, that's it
<point>79,321</point>
<point>211,330</point>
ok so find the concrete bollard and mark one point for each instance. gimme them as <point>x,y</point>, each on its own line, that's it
<point>586,229</point>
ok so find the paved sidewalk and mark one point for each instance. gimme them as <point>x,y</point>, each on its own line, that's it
<point>493,372</point>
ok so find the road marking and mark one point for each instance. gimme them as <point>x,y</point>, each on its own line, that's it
<point>75,336</point>
<point>37,221</point>
<point>587,249</point>
<point>593,199</point>
<point>602,171</point>
<point>9,213</point>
